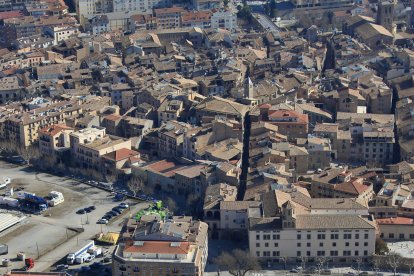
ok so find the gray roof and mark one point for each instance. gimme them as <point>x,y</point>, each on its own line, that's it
<point>332,222</point>
<point>335,203</point>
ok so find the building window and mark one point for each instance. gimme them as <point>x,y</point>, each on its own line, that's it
<point>334,244</point>
<point>321,236</point>
<point>320,253</point>
<point>401,236</point>
<point>334,236</point>
<point>298,244</point>
<point>347,253</point>
<point>308,253</point>
<point>391,235</point>
<point>276,237</point>
<point>365,243</point>
<point>266,244</point>
<point>298,236</point>
<point>357,236</point>
<point>258,253</point>
<point>258,237</point>
<point>276,244</point>
<point>366,236</point>
<point>308,244</point>
<point>298,253</point>
<point>308,236</point>
<point>365,253</point>
<point>347,236</point>
<point>347,244</point>
<point>321,244</point>
<point>257,244</point>
<point>334,253</point>
<point>356,253</point>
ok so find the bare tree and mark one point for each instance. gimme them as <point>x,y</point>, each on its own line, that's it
<point>238,262</point>
<point>135,184</point>
<point>303,261</point>
<point>358,262</point>
<point>375,263</point>
<point>284,260</point>
<point>29,153</point>
<point>410,264</point>
<point>394,261</point>
<point>320,261</point>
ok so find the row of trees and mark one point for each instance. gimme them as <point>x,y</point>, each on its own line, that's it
<point>239,262</point>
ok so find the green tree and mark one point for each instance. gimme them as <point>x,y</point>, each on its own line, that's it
<point>381,247</point>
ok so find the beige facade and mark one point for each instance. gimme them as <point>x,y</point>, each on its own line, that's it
<point>178,246</point>
<point>54,138</point>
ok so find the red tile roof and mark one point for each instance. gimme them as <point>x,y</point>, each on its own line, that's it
<point>121,154</point>
<point>54,129</point>
<point>301,118</point>
<point>10,14</point>
<point>200,16</point>
<point>352,187</point>
<point>165,167</point>
<point>397,220</point>
<point>160,247</point>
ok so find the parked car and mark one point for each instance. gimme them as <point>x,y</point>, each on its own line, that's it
<point>90,258</point>
<point>62,267</point>
<point>81,211</point>
<point>123,205</point>
<point>102,221</point>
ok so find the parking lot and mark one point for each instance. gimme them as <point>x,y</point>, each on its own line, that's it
<point>49,237</point>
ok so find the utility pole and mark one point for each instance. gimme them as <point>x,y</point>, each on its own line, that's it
<point>37,248</point>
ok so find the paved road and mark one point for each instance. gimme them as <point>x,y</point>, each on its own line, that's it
<point>267,23</point>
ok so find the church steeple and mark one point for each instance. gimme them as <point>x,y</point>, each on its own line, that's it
<point>248,88</point>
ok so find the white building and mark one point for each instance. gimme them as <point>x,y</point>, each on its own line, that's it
<point>61,33</point>
<point>295,226</point>
<point>224,19</point>
<point>145,6</point>
<point>87,9</point>
<point>100,24</point>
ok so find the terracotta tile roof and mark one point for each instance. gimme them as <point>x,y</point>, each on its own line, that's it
<point>10,14</point>
<point>352,187</point>
<point>121,154</point>
<point>54,129</point>
<point>112,117</point>
<point>276,114</point>
<point>397,220</point>
<point>169,10</point>
<point>160,247</point>
<point>196,16</point>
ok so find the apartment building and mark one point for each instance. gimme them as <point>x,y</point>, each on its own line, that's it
<point>169,18</point>
<point>54,138</point>
<point>201,19</point>
<point>145,6</point>
<point>224,19</point>
<point>11,89</point>
<point>169,110</point>
<point>396,228</point>
<point>340,183</point>
<point>289,122</point>
<point>289,229</point>
<point>171,138</point>
<point>153,246</point>
<point>371,137</point>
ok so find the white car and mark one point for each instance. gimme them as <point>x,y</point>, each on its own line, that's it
<point>102,221</point>
<point>90,258</point>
